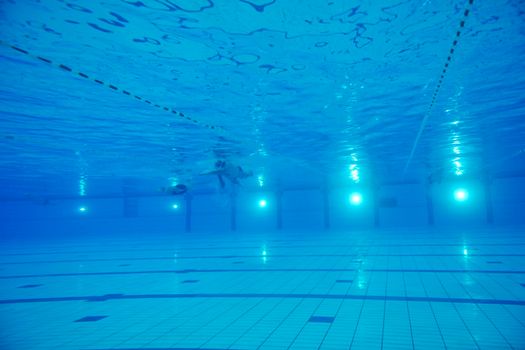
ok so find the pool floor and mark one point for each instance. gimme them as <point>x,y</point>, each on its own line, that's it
<point>399,289</point>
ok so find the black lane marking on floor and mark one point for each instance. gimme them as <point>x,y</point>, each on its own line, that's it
<point>184,271</point>
<point>111,86</point>
<point>90,319</point>
<point>144,348</point>
<point>31,286</point>
<point>361,255</point>
<point>321,319</point>
<point>103,297</point>
<point>472,247</point>
<point>268,296</point>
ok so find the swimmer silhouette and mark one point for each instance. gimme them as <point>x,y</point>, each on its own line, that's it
<point>229,171</point>
<point>176,190</point>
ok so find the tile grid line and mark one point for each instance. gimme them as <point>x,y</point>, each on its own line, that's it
<point>458,313</point>
<point>297,286</point>
<point>268,312</point>
<point>384,306</point>
<point>408,307</point>
<point>183,312</point>
<point>482,311</point>
<point>285,318</point>
<point>432,309</point>
<point>361,309</point>
<point>315,310</point>
<point>305,324</point>
<point>255,305</point>
<point>348,288</point>
<point>505,307</point>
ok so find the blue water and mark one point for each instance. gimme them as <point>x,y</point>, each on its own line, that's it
<point>385,144</point>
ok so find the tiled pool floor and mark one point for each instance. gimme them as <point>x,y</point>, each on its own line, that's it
<point>364,290</point>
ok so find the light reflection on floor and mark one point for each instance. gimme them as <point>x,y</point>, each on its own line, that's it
<point>364,290</point>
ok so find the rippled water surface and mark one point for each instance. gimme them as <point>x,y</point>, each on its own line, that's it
<point>302,92</point>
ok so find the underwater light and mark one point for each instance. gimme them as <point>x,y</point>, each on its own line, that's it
<point>82,209</point>
<point>460,195</point>
<point>262,203</point>
<point>175,206</point>
<point>356,198</point>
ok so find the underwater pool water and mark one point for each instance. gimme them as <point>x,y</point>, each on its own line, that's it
<point>249,174</point>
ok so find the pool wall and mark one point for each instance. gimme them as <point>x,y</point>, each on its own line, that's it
<point>391,206</point>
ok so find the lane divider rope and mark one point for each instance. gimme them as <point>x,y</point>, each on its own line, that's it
<point>446,65</point>
<point>126,92</point>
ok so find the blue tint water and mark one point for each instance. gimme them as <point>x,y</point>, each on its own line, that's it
<point>300,93</point>
<point>385,208</point>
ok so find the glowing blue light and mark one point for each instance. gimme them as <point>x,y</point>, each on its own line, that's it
<point>264,255</point>
<point>175,206</point>
<point>82,209</point>
<point>356,198</point>
<point>460,195</point>
<point>262,203</point>
<point>465,251</point>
